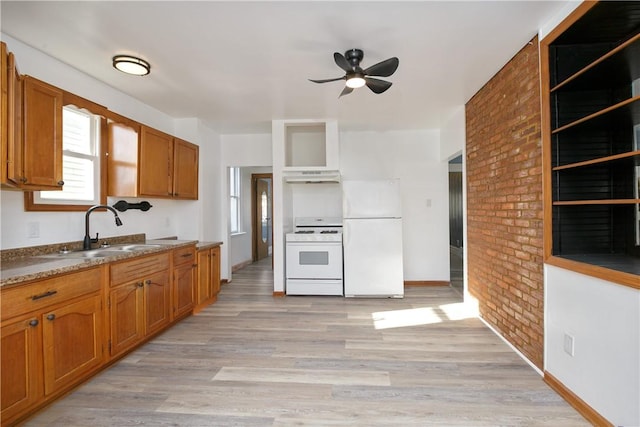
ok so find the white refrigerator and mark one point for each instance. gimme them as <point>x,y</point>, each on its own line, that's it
<point>372,239</point>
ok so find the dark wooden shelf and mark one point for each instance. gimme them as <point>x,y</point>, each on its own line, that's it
<point>597,202</point>
<point>620,65</point>
<point>629,106</point>
<point>611,24</point>
<point>600,160</point>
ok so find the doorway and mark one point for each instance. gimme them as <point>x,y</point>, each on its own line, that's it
<point>456,234</point>
<point>262,216</point>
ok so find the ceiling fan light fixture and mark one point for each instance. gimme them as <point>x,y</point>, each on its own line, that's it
<point>355,82</point>
<point>131,65</point>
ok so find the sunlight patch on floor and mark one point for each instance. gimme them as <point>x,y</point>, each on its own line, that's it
<point>422,316</point>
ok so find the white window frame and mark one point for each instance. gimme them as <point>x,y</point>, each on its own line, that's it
<point>39,197</point>
<point>235,200</point>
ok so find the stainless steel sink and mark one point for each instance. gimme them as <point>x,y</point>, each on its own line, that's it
<point>138,247</point>
<point>105,252</point>
<point>94,253</point>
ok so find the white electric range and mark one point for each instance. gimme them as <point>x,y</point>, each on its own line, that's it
<point>314,257</point>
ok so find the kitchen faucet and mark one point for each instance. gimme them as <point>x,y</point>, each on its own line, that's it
<point>87,238</point>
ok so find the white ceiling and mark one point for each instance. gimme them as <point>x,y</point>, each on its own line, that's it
<point>238,65</point>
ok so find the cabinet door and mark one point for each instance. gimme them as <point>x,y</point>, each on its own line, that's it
<point>14,148</point>
<point>72,338</point>
<point>156,302</point>
<point>185,170</point>
<point>122,162</point>
<point>204,276</point>
<point>21,365</point>
<point>126,305</point>
<point>155,168</point>
<point>215,270</point>
<point>4,109</point>
<point>42,143</point>
<point>183,282</point>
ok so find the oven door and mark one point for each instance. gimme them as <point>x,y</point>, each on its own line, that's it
<point>314,260</point>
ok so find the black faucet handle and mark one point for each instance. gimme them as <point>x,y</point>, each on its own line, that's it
<point>95,240</point>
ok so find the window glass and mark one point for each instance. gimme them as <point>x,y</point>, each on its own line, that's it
<point>234,200</point>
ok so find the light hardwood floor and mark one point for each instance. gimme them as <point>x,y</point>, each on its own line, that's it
<point>254,360</point>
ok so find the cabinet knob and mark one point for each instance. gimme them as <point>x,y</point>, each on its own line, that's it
<point>140,284</point>
<point>33,322</point>
<point>148,281</point>
<point>51,316</point>
<point>61,183</point>
<point>23,180</point>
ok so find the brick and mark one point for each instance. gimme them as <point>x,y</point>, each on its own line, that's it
<point>504,202</point>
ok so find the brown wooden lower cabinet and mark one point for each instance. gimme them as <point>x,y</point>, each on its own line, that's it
<point>208,277</point>
<point>57,332</point>
<point>52,338</point>
<point>183,281</point>
<point>72,342</point>
<point>139,301</point>
<point>22,384</point>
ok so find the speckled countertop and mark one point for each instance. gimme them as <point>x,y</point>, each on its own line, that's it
<point>25,264</point>
<point>207,245</point>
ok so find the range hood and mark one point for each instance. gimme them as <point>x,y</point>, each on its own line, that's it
<point>312,177</point>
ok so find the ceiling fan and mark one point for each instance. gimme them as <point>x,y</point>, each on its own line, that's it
<point>357,77</point>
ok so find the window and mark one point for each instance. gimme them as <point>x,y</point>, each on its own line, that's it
<point>81,135</point>
<point>234,200</point>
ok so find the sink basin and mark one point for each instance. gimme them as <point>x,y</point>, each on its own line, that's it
<point>138,247</point>
<point>94,253</point>
<point>105,252</point>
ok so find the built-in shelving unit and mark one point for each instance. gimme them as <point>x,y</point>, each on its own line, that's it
<point>310,145</point>
<point>591,94</point>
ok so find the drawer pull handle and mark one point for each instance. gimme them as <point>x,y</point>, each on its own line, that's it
<point>46,294</point>
<point>33,322</point>
<point>51,316</point>
<point>185,255</point>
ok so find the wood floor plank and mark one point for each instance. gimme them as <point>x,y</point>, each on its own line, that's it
<point>255,360</point>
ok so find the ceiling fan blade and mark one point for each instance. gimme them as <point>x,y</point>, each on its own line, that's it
<point>341,61</point>
<point>377,85</point>
<point>384,68</point>
<point>326,80</point>
<point>346,91</point>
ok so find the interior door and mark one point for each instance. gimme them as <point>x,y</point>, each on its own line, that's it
<point>262,224</point>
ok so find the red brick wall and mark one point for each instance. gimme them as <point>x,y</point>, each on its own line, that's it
<point>504,202</point>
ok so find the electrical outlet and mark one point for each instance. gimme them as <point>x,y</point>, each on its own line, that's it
<point>569,344</point>
<point>33,230</point>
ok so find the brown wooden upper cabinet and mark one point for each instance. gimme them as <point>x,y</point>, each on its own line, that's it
<point>151,163</point>
<point>31,130</point>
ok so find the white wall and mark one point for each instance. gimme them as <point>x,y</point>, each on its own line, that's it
<point>604,319</point>
<point>453,134</point>
<point>166,217</point>
<point>414,158</point>
<point>316,200</point>
<point>247,150</point>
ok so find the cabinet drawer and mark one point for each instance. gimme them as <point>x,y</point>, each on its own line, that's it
<point>138,268</point>
<point>37,295</point>
<point>184,255</point>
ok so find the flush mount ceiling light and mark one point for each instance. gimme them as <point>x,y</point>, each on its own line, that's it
<point>131,65</point>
